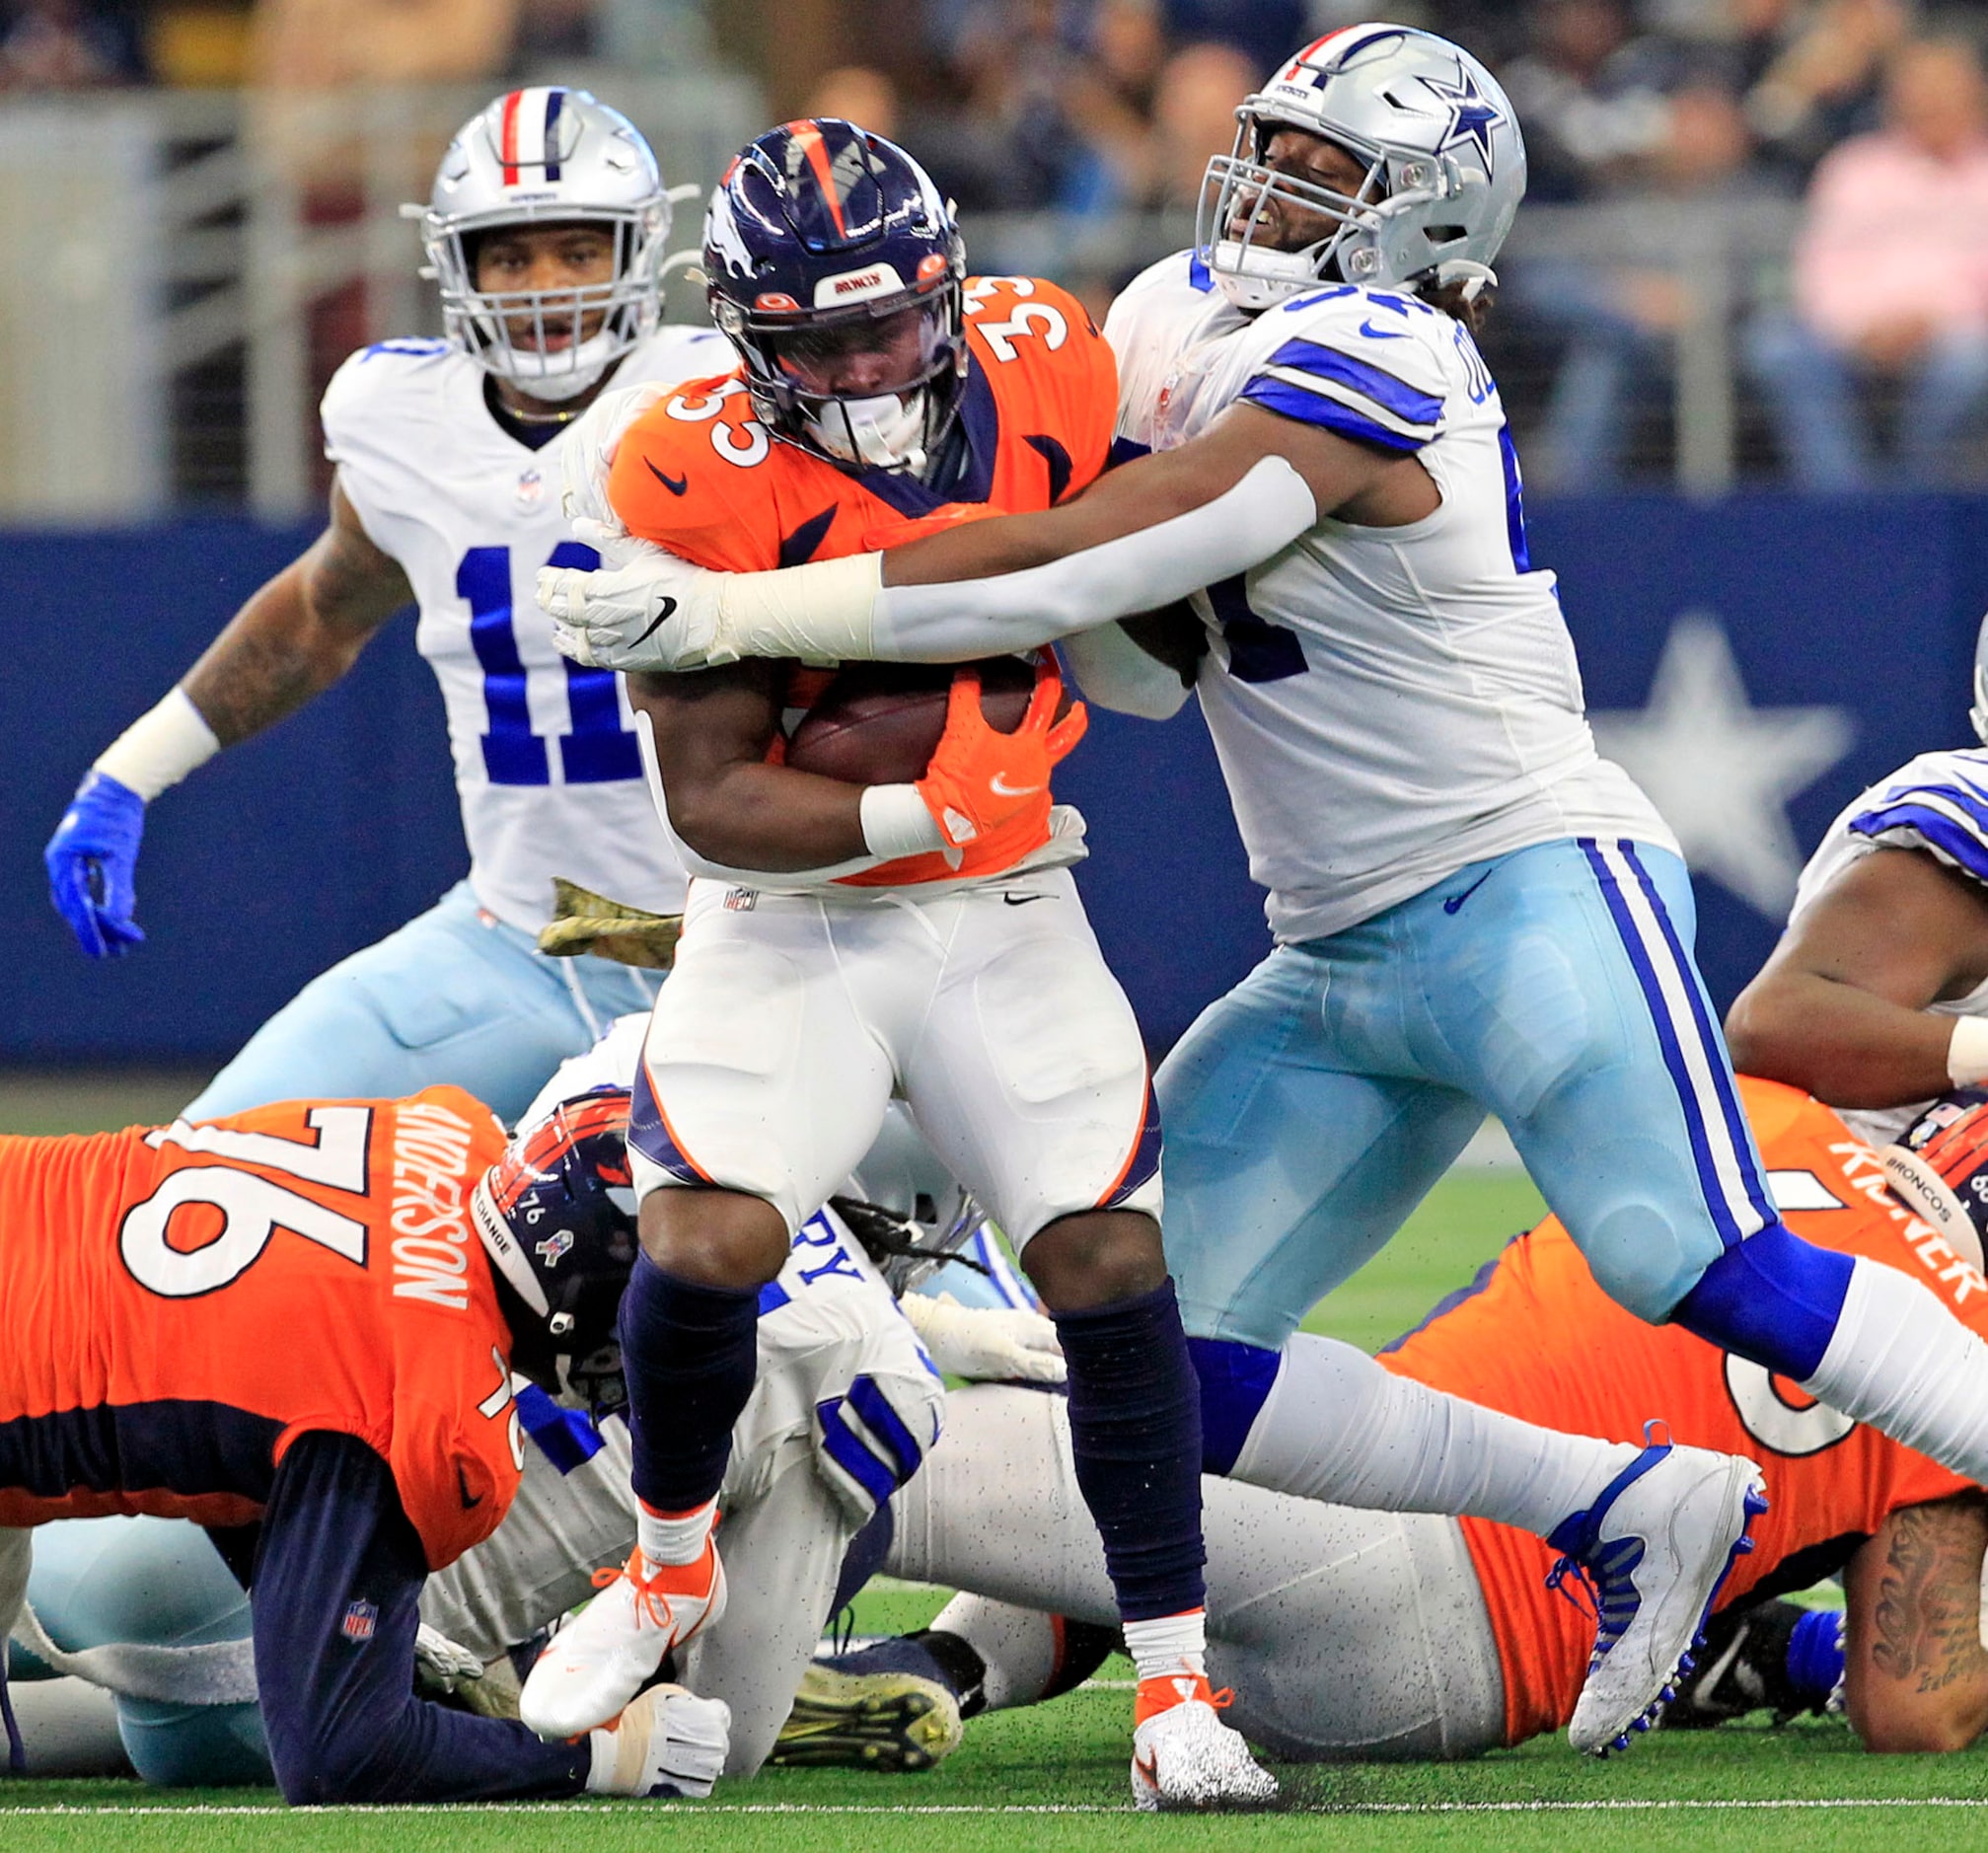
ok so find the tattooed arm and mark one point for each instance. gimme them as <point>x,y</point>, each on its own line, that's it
<point>1916,1675</point>
<point>298,634</point>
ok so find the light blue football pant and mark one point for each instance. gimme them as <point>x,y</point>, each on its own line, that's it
<point>1309,1110</point>
<point>152,1583</point>
<point>454,996</point>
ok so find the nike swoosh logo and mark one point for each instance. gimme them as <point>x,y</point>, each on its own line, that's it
<point>1147,1767</point>
<point>675,485</point>
<point>469,1500</point>
<point>1367,329</point>
<point>1022,900</point>
<point>1456,901</point>
<point>662,616</point>
<point>1001,788</point>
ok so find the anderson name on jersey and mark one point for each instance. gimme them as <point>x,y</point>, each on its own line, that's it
<point>1389,703</point>
<point>699,475</point>
<point>546,766</point>
<point>1938,803</point>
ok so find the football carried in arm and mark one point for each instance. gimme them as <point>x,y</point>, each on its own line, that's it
<point>879,724</point>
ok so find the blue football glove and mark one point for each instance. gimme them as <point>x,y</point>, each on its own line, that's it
<point>93,863</point>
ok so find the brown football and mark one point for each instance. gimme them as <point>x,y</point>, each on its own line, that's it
<point>879,724</point>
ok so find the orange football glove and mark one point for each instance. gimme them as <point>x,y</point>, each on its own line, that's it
<point>982,782</point>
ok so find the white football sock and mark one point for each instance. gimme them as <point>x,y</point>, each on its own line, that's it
<point>1900,1362</point>
<point>1336,1426</point>
<point>674,1537</point>
<point>1018,1647</point>
<point>1169,1644</point>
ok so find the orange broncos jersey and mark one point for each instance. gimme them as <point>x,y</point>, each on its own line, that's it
<point>699,475</point>
<point>1537,1338</point>
<point>182,1303</point>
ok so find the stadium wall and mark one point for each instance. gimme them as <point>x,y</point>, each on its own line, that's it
<point>1755,660</point>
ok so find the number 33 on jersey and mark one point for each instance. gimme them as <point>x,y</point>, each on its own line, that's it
<point>183,1301</point>
<point>698,473</point>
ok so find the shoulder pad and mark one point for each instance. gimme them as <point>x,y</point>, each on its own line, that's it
<point>1939,803</point>
<point>1052,372</point>
<point>1364,363</point>
<point>697,472</point>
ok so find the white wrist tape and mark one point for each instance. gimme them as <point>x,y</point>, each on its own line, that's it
<point>896,823</point>
<point>1967,1051</point>
<point>159,748</point>
<point>822,613</point>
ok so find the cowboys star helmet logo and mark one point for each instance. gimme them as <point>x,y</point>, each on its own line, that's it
<point>1472,116</point>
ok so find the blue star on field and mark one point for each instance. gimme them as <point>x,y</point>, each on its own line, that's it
<point>1472,116</point>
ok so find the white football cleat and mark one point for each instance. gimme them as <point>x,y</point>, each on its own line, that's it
<point>668,1743</point>
<point>1183,1756</point>
<point>594,1667</point>
<point>1654,1550</point>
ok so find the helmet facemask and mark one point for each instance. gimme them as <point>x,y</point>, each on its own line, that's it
<point>510,333</point>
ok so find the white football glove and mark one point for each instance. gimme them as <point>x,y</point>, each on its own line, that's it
<point>588,453</point>
<point>440,1661</point>
<point>643,609</point>
<point>668,1743</point>
<point>986,1344</point>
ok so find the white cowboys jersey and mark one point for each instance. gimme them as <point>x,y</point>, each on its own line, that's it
<point>1388,703</point>
<point>1939,803</point>
<point>547,765</point>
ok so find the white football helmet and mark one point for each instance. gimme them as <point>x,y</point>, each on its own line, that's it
<point>548,156</point>
<point>1446,168</point>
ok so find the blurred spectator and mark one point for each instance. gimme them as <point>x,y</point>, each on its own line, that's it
<point>1827,82</point>
<point>1265,32</point>
<point>64,45</point>
<point>857,94</point>
<point>1589,98</point>
<point>1890,281</point>
<point>1194,118</point>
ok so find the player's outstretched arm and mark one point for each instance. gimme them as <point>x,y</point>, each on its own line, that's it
<point>1139,538</point>
<point>1915,1674</point>
<point>294,638</point>
<point>1840,1009</point>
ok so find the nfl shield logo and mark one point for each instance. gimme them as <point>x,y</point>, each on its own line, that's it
<point>360,1620</point>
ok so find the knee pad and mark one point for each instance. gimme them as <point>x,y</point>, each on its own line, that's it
<point>1235,1382</point>
<point>194,1746</point>
<point>1774,1299</point>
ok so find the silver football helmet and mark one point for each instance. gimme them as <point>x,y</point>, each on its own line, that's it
<point>548,156</point>
<point>1445,169</point>
<point>904,1207</point>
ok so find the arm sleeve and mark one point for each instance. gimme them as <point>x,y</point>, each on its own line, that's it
<point>338,1580</point>
<point>1115,673</point>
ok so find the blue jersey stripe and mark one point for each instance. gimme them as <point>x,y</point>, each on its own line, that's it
<point>1941,832</point>
<point>886,1425</point>
<point>852,1455</point>
<point>1294,401</point>
<point>1408,402</point>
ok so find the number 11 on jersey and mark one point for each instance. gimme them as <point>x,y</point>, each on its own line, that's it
<point>598,750</point>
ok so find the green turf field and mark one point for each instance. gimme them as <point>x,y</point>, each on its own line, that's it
<point>1053,1780</point>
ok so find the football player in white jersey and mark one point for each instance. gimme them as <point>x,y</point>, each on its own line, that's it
<point>1875,1001</point>
<point>1473,911</point>
<point>546,230</point>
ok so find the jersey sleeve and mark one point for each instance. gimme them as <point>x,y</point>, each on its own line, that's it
<point>697,474</point>
<point>374,416</point>
<point>1939,803</point>
<point>1357,366</point>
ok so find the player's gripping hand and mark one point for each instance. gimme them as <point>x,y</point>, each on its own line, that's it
<point>986,1344</point>
<point>92,864</point>
<point>668,1743</point>
<point>641,609</point>
<point>980,781</point>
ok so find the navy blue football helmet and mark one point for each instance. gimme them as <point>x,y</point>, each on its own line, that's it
<point>555,1215</point>
<point>825,243</point>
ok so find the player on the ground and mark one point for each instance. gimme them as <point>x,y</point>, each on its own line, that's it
<point>299,1326</point>
<point>1473,909</point>
<point>1358,1634</point>
<point>546,230</point>
<point>846,942</point>
<point>1877,997</point>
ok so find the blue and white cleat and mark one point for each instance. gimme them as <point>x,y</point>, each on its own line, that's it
<point>1654,1550</point>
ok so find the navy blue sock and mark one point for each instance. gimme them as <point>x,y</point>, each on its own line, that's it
<point>1774,1299</point>
<point>691,1357</point>
<point>1235,1383</point>
<point>1135,1426</point>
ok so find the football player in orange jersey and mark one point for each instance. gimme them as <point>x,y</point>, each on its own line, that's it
<point>297,1327</point>
<point>1350,1633</point>
<point>843,942</point>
